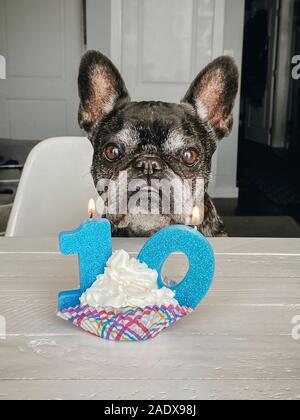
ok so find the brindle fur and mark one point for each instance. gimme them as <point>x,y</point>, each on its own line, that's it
<point>158,131</point>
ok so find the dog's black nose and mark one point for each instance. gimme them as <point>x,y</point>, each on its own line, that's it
<point>148,165</point>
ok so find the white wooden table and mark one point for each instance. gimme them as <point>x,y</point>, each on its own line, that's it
<point>238,344</point>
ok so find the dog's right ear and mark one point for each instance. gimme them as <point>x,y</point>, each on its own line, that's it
<point>101,88</point>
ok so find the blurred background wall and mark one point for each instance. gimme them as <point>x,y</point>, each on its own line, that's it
<point>158,45</point>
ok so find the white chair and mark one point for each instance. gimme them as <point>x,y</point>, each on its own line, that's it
<point>54,189</point>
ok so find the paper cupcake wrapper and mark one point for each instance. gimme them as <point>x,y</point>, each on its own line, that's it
<point>126,324</point>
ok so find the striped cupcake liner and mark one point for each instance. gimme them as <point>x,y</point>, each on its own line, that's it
<point>126,324</point>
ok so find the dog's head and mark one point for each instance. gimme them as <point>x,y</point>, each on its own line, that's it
<point>153,140</point>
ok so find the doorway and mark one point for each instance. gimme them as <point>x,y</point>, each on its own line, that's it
<point>294,99</point>
<point>259,62</point>
<point>268,162</point>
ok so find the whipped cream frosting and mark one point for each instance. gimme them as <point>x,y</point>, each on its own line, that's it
<point>127,282</point>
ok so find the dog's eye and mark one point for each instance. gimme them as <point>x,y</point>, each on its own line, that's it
<point>190,156</point>
<point>112,152</point>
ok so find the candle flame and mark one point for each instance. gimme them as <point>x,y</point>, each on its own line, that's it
<point>196,216</point>
<point>92,208</point>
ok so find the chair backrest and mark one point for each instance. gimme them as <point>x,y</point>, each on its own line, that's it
<point>54,189</point>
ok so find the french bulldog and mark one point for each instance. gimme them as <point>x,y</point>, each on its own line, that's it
<point>156,139</point>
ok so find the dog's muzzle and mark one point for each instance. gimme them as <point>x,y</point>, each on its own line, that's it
<point>149,165</point>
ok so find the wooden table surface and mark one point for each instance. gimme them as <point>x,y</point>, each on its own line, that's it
<point>238,344</point>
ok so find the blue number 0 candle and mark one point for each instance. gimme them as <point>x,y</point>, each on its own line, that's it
<point>191,290</point>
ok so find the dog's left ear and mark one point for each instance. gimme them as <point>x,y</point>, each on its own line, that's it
<point>101,88</point>
<point>213,93</point>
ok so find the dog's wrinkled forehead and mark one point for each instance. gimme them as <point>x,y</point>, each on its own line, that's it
<point>143,138</point>
<point>156,126</point>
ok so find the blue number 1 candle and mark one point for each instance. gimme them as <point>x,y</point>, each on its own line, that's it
<point>92,242</point>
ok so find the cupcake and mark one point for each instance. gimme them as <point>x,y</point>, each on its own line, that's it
<point>125,303</point>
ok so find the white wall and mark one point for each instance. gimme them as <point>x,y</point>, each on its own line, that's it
<point>228,148</point>
<point>42,42</point>
<point>98,25</point>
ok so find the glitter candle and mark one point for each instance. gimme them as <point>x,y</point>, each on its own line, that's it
<point>92,242</point>
<point>192,289</point>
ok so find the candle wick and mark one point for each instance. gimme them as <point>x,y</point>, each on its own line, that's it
<point>91,209</point>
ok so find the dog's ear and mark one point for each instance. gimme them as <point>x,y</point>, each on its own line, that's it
<point>213,93</point>
<point>101,88</point>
